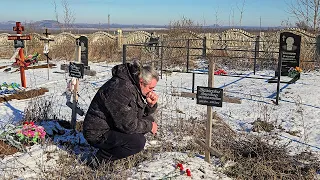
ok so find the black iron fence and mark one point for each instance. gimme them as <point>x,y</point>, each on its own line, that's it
<point>190,55</point>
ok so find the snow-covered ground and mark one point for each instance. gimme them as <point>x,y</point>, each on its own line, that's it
<point>298,110</point>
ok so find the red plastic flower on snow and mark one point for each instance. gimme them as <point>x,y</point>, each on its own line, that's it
<point>188,172</point>
<point>179,165</point>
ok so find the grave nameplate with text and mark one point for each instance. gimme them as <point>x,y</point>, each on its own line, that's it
<point>76,70</point>
<point>209,96</point>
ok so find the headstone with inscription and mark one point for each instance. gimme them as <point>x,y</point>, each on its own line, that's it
<point>289,51</point>
<point>82,41</point>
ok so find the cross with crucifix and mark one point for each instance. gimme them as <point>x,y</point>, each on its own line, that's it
<point>19,43</point>
<point>46,47</point>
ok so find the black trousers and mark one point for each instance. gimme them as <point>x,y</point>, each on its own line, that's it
<point>119,145</point>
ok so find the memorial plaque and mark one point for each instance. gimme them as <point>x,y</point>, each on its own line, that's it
<point>27,37</point>
<point>83,42</point>
<point>289,51</point>
<point>76,70</point>
<point>18,44</point>
<point>209,96</point>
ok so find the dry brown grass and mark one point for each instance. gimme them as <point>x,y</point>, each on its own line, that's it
<point>38,109</point>
<point>103,51</point>
<point>258,158</point>
<point>262,157</point>
<point>65,50</point>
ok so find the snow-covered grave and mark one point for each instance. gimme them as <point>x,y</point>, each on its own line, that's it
<point>298,111</point>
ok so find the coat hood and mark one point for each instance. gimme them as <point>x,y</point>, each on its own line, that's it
<point>127,71</point>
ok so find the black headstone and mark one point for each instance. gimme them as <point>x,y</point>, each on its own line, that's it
<point>289,51</point>
<point>83,42</point>
<point>318,44</point>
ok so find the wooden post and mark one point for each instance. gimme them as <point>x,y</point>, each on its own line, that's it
<point>48,62</point>
<point>153,51</point>
<point>124,54</point>
<point>119,38</point>
<point>256,53</point>
<point>278,78</point>
<point>161,58</point>
<point>188,54</point>
<point>74,104</point>
<point>19,38</point>
<point>209,112</point>
<point>193,82</point>
<point>75,89</point>
<point>22,73</point>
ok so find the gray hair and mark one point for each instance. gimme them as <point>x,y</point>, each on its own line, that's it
<point>147,73</point>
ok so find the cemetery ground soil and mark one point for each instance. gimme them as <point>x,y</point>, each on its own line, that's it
<point>24,94</point>
<point>6,149</point>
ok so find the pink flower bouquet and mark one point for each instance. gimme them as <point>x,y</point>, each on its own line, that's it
<point>30,133</point>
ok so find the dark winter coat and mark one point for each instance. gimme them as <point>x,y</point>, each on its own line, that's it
<point>118,105</point>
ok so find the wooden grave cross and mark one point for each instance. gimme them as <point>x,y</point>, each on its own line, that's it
<point>19,43</point>
<point>46,47</point>
<point>76,70</point>
<point>211,97</point>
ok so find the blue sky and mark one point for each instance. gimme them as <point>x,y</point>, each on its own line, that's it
<point>157,12</point>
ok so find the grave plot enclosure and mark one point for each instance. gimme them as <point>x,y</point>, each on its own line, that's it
<point>171,55</point>
<point>231,50</point>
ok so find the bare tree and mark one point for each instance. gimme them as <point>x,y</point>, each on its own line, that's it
<point>68,18</point>
<point>241,12</point>
<point>56,13</point>
<point>231,17</point>
<point>218,22</point>
<point>306,12</point>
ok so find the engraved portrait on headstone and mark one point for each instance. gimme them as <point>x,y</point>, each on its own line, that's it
<point>289,51</point>
<point>289,44</point>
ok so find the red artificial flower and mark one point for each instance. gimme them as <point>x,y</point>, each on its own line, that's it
<point>220,71</point>
<point>25,123</point>
<point>188,172</point>
<point>181,168</point>
<point>31,123</point>
<point>179,165</point>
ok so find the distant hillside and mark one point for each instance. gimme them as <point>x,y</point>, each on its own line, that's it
<point>54,25</point>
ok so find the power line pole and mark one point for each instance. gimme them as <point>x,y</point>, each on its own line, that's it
<point>108,23</point>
